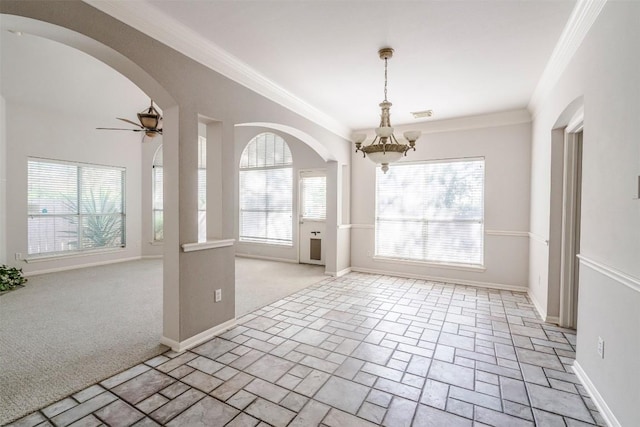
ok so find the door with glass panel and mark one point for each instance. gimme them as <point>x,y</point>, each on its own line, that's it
<point>312,213</point>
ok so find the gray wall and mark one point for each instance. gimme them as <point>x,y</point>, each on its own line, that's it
<point>605,73</point>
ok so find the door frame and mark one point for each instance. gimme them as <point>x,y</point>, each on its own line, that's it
<point>571,198</point>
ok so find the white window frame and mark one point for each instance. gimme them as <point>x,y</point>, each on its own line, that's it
<point>79,214</point>
<point>445,264</point>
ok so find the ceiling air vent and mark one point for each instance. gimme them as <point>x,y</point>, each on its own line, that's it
<point>422,114</point>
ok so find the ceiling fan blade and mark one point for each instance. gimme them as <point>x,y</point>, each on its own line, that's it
<point>132,130</point>
<point>129,121</point>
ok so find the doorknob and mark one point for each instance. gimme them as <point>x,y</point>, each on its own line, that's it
<point>315,233</point>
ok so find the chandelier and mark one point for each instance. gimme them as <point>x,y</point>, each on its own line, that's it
<point>385,148</point>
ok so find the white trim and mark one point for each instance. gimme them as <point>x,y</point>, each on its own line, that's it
<point>209,244</point>
<point>195,340</point>
<point>79,266</point>
<point>506,233</point>
<point>543,314</point>
<point>462,282</point>
<point>363,226</point>
<point>69,255</point>
<point>603,408</point>
<point>339,273</point>
<point>582,18</point>
<point>538,238</point>
<point>268,258</point>
<point>150,21</point>
<point>576,124</point>
<point>152,257</point>
<point>418,263</point>
<point>345,226</point>
<point>617,275</point>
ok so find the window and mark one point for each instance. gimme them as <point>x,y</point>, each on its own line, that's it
<point>431,211</point>
<point>74,207</point>
<point>202,189</point>
<point>158,197</point>
<point>266,191</point>
<point>314,197</point>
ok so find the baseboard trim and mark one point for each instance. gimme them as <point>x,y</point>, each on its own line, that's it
<point>338,273</point>
<point>79,266</point>
<point>542,313</point>
<point>268,258</point>
<point>152,257</point>
<point>604,409</point>
<point>198,339</point>
<point>489,285</point>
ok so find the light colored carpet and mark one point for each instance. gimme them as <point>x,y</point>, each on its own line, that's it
<point>66,331</point>
<point>260,282</point>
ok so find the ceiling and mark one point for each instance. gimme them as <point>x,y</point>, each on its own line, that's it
<point>51,76</point>
<point>458,58</point>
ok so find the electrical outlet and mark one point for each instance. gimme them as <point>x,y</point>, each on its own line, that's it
<point>601,347</point>
<point>218,296</point>
<point>18,256</point>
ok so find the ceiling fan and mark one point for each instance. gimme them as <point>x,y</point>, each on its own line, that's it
<point>150,122</point>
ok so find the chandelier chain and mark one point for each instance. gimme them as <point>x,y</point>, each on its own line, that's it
<point>385,79</point>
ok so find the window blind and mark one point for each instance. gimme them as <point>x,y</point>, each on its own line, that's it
<point>314,197</point>
<point>431,212</point>
<point>158,196</point>
<point>74,207</point>
<point>266,191</point>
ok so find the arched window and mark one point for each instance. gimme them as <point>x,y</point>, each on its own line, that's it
<point>157,198</point>
<point>266,191</point>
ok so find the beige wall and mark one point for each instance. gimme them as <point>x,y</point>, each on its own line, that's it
<point>605,74</point>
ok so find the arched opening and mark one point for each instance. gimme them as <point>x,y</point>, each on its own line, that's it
<point>51,114</point>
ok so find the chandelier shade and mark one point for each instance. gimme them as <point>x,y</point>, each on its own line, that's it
<point>385,147</point>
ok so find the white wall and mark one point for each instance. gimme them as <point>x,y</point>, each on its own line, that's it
<point>505,145</point>
<point>3,182</point>
<point>606,73</point>
<point>303,158</point>
<point>69,138</point>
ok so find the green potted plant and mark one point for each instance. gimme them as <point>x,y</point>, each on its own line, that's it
<point>10,278</point>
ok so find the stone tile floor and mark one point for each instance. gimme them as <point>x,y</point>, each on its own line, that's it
<point>355,351</point>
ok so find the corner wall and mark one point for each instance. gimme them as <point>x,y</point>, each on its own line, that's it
<point>606,72</point>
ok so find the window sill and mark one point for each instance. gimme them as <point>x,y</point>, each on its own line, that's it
<point>52,257</point>
<point>209,244</point>
<point>462,267</point>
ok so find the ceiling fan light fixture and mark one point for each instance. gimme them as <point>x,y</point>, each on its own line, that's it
<point>385,147</point>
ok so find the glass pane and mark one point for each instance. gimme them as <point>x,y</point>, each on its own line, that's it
<point>101,190</point>
<point>314,197</point>
<point>158,229</point>
<point>455,242</point>
<point>202,226</point>
<point>52,188</point>
<point>158,187</point>
<point>400,239</point>
<point>48,234</point>
<point>102,231</point>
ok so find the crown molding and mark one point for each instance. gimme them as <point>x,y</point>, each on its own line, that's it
<point>582,18</point>
<point>145,18</point>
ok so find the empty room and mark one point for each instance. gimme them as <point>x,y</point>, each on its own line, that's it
<point>305,213</point>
